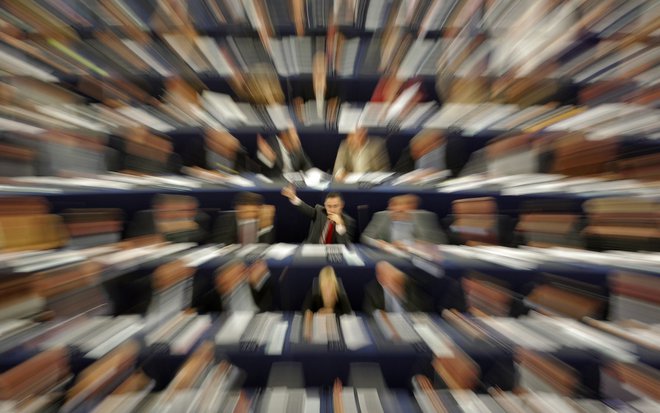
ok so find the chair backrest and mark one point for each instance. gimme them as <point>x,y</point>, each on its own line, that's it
<point>286,374</point>
<point>549,230</point>
<point>93,226</point>
<point>366,376</point>
<point>475,220</point>
<point>362,218</point>
<point>31,232</point>
<point>634,296</point>
<point>575,155</point>
<point>623,223</point>
<point>556,299</point>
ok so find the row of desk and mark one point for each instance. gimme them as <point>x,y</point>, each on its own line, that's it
<point>290,225</point>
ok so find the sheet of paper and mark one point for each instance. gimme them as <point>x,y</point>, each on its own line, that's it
<point>276,342</point>
<point>280,251</point>
<point>354,331</point>
<point>437,345</point>
<point>232,330</point>
<point>313,250</point>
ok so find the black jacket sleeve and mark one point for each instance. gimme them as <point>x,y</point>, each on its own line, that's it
<point>405,163</point>
<point>373,298</point>
<point>224,230</point>
<point>349,235</point>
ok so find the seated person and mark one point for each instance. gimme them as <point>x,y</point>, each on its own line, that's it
<point>360,153</point>
<point>403,224</point>
<point>238,287</point>
<point>141,152</point>
<point>175,217</point>
<point>327,296</point>
<point>393,291</point>
<point>224,153</point>
<point>427,151</point>
<point>282,153</point>
<point>330,225</point>
<point>251,222</point>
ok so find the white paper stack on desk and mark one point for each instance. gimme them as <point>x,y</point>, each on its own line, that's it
<point>178,334</point>
<point>435,401</point>
<point>396,328</point>
<point>94,336</point>
<point>251,332</point>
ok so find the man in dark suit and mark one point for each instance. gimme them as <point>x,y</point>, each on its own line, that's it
<point>250,222</point>
<point>282,153</point>
<point>238,287</point>
<point>392,291</point>
<point>403,223</point>
<point>330,224</point>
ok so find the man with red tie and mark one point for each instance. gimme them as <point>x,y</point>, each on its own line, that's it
<point>330,225</point>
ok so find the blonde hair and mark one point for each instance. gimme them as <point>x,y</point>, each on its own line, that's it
<point>327,275</point>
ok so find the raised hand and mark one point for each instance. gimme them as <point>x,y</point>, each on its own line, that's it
<point>289,191</point>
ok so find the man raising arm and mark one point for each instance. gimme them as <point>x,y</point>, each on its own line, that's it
<point>330,225</point>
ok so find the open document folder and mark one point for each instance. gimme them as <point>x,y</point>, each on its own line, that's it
<point>312,178</point>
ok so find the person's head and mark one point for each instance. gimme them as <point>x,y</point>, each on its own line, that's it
<point>143,137</point>
<point>334,203</point>
<point>424,142</point>
<point>290,139</point>
<point>229,276</point>
<point>170,206</point>
<point>358,138</point>
<point>410,201</point>
<point>400,206</point>
<point>248,205</point>
<point>222,142</point>
<point>328,286</point>
<point>390,277</point>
